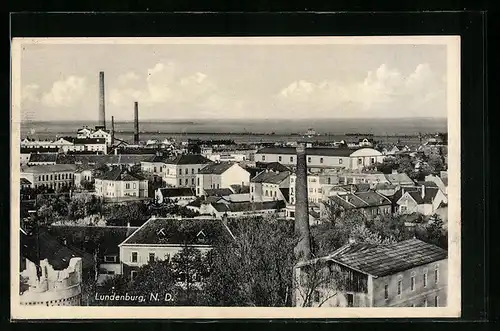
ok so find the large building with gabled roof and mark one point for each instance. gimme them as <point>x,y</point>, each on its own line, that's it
<point>410,273</point>
<point>162,238</point>
<point>120,183</point>
<point>181,170</point>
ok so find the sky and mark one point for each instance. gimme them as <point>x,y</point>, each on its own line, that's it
<point>203,81</point>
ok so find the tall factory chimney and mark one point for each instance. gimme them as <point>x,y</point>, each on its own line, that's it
<point>136,122</point>
<point>303,248</point>
<point>102,107</point>
<point>112,130</point>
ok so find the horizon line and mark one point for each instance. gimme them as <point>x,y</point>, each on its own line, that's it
<point>245,119</point>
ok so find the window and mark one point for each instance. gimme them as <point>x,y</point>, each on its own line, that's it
<point>412,283</point>
<point>425,279</point>
<point>321,160</point>
<point>154,169</point>
<point>291,190</point>
<point>198,191</point>
<point>187,181</point>
<point>275,194</point>
<point>350,300</point>
<point>436,275</point>
<point>373,160</point>
<point>309,159</point>
<point>180,182</point>
<point>180,171</point>
<point>386,291</point>
<point>192,171</point>
<point>110,258</point>
<point>340,161</point>
<point>186,171</point>
<point>291,158</point>
<point>360,161</point>
<point>134,257</point>
<point>279,158</point>
<point>267,193</point>
<point>251,189</point>
<point>198,181</point>
<point>151,257</point>
<point>192,181</point>
<point>436,301</point>
<point>127,186</point>
<point>133,273</point>
<point>161,169</point>
<point>400,283</point>
<point>135,185</point>
<point>263,157</point>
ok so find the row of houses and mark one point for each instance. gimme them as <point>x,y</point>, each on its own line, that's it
<point>410,273</point>
<point>68,144</point>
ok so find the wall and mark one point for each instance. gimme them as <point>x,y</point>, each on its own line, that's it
<point>365,161</point>
<point>416,297</point>
<point>161,253</point>
<point>50,179</point>
<point>313,161</point>
<point>235,175</point>
<point>55,288</point>
<point>176,175</point>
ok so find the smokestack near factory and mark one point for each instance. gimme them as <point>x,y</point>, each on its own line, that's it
<point>303,248</point>
<point>136,122</point>
<point>102,101</point>
<point>112,130</point>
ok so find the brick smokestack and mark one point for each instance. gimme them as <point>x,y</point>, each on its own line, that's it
<point>102,101</point>
<point>303,248</point>
<point>136,122</point>
<point>112,130</point>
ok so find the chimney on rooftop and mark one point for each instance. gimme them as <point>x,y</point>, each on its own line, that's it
<point>102,107</point>
<point>303,248</point>
<point>112,130</point>
<point>136,122</point>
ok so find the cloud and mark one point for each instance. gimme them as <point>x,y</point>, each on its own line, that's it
<point>65,92</point>
<point>383,92</point>
<point>163,85</point>
<point>30,94</point>
<point>127,78</point>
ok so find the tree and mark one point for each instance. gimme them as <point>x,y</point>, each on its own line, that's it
<point>154,281</point>
<point>317,282</point>
<point>87,185</point>
<point>187,268</point>
<point>255,268</point>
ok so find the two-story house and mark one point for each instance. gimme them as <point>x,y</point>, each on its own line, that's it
<point>120,183</point>
<point>220,175</point>
<point>371,204</point>
<point>181,170</point>
<point>410,273</point>
<point>424,200</point>
<point>268,186</point>
<point>162,238</point>
<point>49,176</point>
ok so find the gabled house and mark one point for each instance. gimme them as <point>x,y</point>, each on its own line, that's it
<point>267,185</point>
<point>410,273</point>
<point>180,171</point>
<point>120,183</point>
<point>423,200</point>
<point>220,175</point>
<point>371,204</point>
<point>162,238</point>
